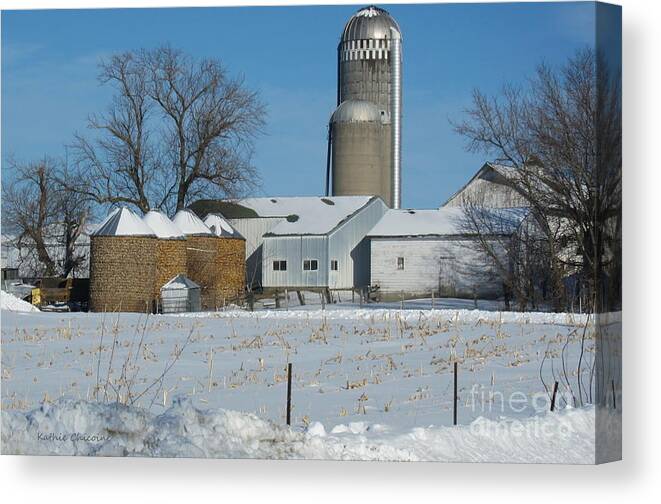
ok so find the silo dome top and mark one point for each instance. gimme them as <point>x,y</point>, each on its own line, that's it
<point>356,111</point>
<point>369,23</point>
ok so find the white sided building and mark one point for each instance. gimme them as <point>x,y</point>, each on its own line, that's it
<point>321,243</point>
<point>415,253</point>
<point>493,186</point>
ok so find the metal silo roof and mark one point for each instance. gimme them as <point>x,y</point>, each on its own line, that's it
<point>356,111</point>
<point>123,222</point>
<point>369,23</point>
<point>162,226</point>
<point>220,227</point>
<point>190,224</point>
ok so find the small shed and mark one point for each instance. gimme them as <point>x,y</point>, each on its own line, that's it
<point>181,295</point>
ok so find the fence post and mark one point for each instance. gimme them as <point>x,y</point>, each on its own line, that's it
<point>287,299</point>
<point>613,387</point>
<point>555,392</point>
<point>289,393</point>
<point>401,305</point>
<point>455,394</point>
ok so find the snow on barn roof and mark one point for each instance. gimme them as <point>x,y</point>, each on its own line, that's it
<point>306,215</point>
<point>180,282</point>
<point>441,222</point>
<point>162,226</point>
<point>220,227</point>
<point>190,224</point>
<point>123,222</point>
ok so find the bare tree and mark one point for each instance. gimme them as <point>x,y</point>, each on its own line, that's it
<point>44,218</point>
<point>212,121</point>
<point>563,135</point>
<point>119,163</point>
<point>177,129</point>
<point>506,244</point>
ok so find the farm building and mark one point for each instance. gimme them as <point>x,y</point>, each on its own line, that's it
<point>170,249</point>
<point>180,295</point>
<point>122,264</point>
<point>254,218</point>
<point>323,246</point>
<point>420,252</point>
<point>493,186</point>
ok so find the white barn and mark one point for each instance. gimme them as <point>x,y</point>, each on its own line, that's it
<point>493,186</point>
<point>322,244</point>
<point>256,218</point>
<point>419,252</point>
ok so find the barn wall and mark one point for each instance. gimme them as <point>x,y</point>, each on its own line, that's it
<point>294,249</point>
<point>491,191</point>
<point>446,266</point>
<point>348,245</point>
<point>253,230</point>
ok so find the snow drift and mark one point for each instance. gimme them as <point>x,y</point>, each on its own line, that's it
<point>12,303</point>
<point>75,427</point>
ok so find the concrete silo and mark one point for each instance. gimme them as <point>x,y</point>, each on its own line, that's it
<point>364,155</point>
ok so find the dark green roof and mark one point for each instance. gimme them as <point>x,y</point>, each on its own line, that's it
<point>227,209</point>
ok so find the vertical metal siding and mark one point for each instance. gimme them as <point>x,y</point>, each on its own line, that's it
<point>349,246</point>
<point>253,230</point>
<point>294,249</point>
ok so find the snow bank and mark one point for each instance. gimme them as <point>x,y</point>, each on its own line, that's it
<point>412,316</point>
<point>12,303</point>
<point>74,427</point>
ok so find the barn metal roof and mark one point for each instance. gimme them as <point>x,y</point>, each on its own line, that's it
<point>123,222</point>
<point>307,215</point>
<point>443,222</point>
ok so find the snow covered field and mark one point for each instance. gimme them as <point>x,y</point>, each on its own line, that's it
<point>368,383</point>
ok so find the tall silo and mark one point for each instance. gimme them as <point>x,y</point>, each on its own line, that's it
<point>361,151</point>
<point>369,70</point>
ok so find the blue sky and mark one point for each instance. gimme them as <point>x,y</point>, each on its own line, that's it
<point>49,67</point>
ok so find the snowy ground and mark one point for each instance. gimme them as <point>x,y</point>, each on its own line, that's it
<point>71,427</point>
<point>380,376</point>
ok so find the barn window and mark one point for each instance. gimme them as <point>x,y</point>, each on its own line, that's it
<point>279,265</point>
<point>334,265</point>
<point>310,265</point>
<point>400,263</point>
